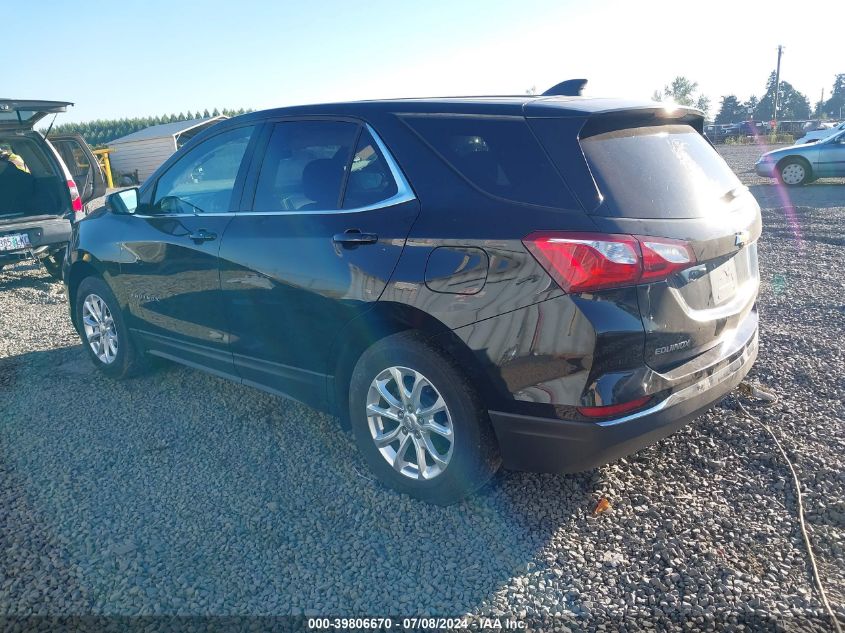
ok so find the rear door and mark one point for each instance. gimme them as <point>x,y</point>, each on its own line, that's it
<point>665,180</point>
<point>318,236</point>
<point>169,273</point>
<point>82,164</point>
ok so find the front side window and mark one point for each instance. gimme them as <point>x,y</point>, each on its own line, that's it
<point>202,180</point>
<point>305,166</point>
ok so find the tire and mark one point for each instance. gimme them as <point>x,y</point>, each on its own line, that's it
<point>125,361</point>
<point>794,172</point>
<point>53,264</point>
<point>470,458</point>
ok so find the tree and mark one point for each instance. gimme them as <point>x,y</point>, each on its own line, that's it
<point>680,91</point>
<point>730,110</point>
<point>750,106</point>
<point>791,103</point>
<point>835,105</point>
<point>703,104</point>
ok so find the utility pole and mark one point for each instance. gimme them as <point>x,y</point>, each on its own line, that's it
<point>777,87</point>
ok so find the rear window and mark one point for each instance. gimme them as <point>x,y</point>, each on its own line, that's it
<point>666,171</point>
<point>500,156</point>
<point>27,154</point>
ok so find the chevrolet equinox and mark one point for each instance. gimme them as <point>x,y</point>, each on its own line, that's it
<point>547,283</point>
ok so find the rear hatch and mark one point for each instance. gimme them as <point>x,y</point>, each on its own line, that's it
<point>649,173</point>
<point>23,114</point>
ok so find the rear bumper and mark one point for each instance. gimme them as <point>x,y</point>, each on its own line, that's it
<point>44,235</point>
<point>561,446</point>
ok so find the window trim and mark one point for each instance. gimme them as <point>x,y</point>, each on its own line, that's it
<point>404,192</point>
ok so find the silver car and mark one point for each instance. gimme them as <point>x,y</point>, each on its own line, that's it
<point>801,164</point>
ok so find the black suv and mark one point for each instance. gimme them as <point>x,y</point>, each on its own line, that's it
<point>547,283</point>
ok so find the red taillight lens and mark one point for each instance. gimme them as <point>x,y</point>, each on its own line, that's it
<point>662,257</point>
<point>75,200</point>
<point>583,262</point>
<point>613,409</point>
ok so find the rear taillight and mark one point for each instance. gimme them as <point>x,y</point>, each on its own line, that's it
<point>583,262</point>
<point>613,409</point>
<point>75,200</point>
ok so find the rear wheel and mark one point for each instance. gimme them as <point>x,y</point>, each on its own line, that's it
<point>103,330</point>
<point>418,422</point>
<point>794,172</point>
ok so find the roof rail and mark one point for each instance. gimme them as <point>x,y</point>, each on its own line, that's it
<point>568,88</point>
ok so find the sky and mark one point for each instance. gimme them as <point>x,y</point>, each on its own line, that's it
<point>134,58</point>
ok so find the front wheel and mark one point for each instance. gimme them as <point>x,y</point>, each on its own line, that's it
<point>103,330</point>
<point>794,173</point>
<point>418,421</point>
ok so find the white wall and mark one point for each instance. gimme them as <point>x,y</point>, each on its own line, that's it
<point>145,156</point>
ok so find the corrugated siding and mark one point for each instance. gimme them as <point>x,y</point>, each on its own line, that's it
<point>145,156</point>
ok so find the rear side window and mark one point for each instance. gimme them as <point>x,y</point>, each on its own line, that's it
<point>663,171</point>
<point>500,156</point>
<point>304,166</point>
<point>370,180</point>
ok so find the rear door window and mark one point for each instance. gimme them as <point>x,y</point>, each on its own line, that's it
<point>305,165</point>
<point>662,171</point>
<point>498,155</point>
<point>370,180</point>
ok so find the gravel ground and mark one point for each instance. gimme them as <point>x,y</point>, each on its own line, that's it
<point>182,494</point>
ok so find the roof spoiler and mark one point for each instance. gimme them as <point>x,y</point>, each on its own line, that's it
<point>568,88</point>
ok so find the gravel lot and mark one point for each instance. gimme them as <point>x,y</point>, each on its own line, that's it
<point>180,493</point>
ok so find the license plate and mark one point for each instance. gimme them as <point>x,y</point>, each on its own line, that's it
<point>14,242</point>
<point>723,282</point>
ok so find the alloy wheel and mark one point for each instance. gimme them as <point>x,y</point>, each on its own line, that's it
<point>410,423</point>
<point>100,328</point>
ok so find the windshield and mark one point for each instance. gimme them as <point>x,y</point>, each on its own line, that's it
<point>664,171</point>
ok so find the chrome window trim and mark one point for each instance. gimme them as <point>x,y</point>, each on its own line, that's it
<point>403,194</point>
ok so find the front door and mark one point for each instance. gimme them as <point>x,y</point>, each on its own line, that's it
<point>170,275</point>
<point>313,248</point>
<point>831,160</point>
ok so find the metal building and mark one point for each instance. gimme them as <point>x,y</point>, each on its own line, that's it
<point>136,156</point>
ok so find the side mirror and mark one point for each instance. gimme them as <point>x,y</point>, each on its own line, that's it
<point>123,202</point>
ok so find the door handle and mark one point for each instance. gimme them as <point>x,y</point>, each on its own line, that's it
<point>202,236</point>
<point>353,237</point>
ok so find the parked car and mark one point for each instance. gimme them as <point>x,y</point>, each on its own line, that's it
<point>43,184</point>
<point>801,164</point>
<point>821,133</point>
<point>543,282</point>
